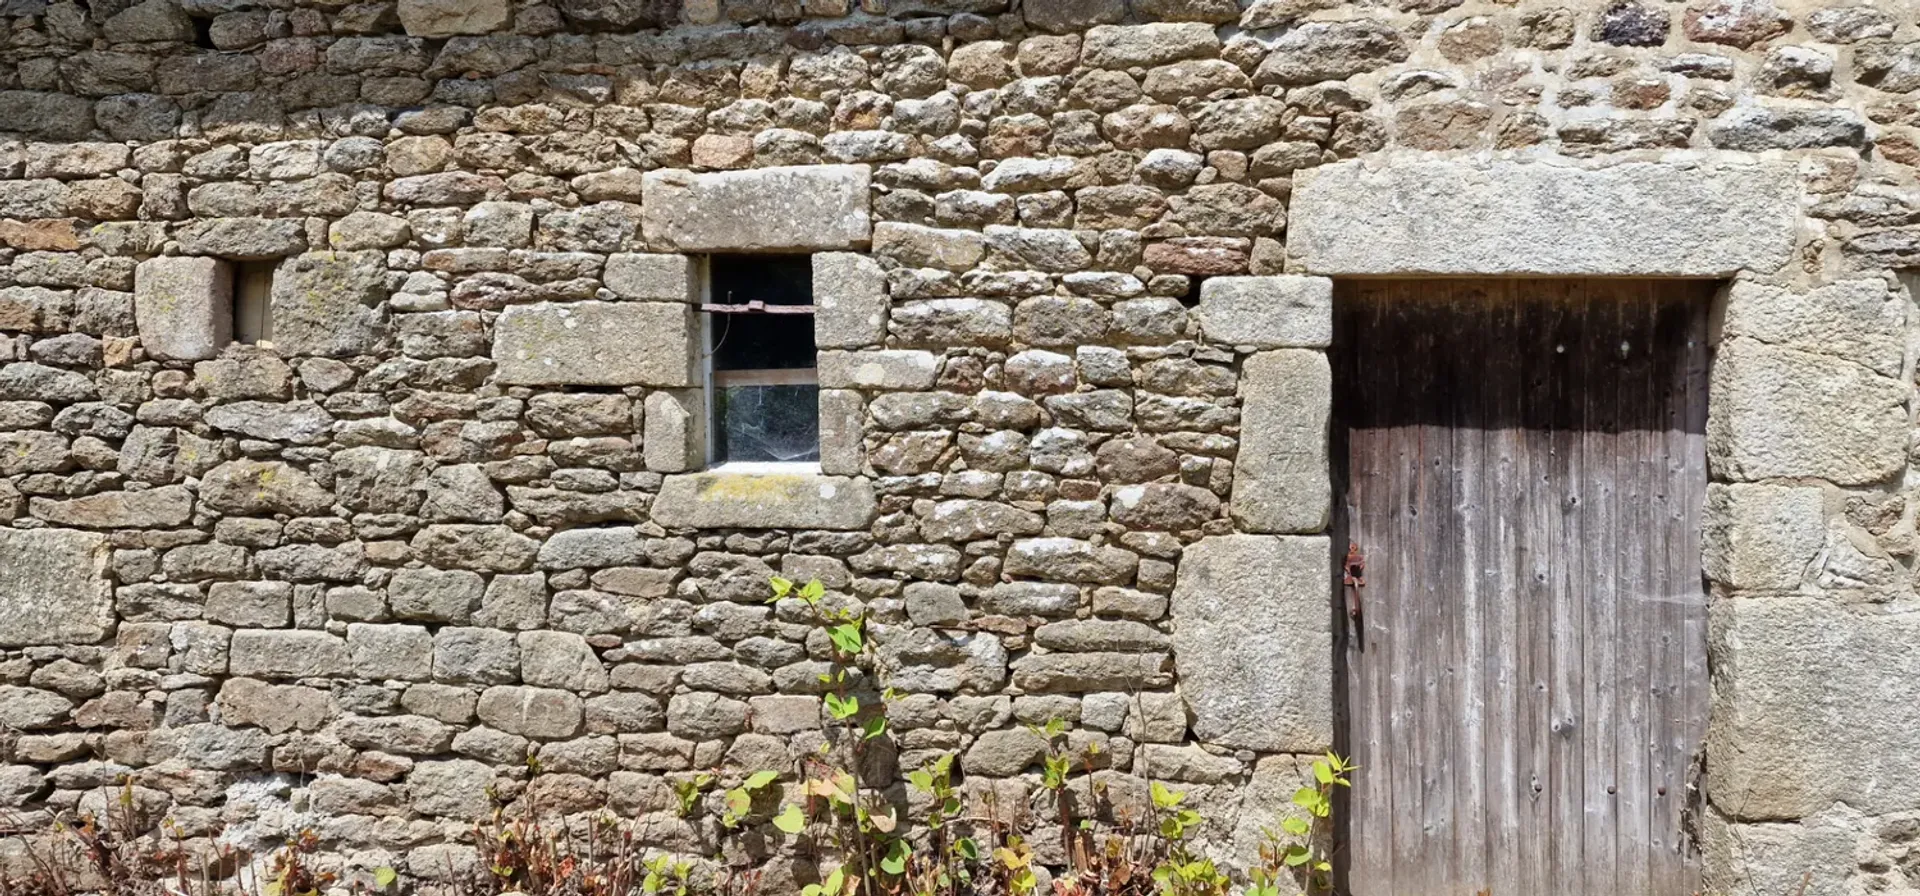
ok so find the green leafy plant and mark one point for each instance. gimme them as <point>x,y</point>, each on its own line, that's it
<point>687,792</point>
<point>740,799</point>
<point>1304,851</point>
<point>873,851</point>
<point>952,855</point>
<point>1183,872</point>
<point>666,875</point>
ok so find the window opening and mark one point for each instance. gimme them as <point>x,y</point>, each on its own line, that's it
<point>252,302</point>
<point>763,383</point>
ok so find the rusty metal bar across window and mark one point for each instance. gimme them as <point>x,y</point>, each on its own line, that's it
<point>756,307</point>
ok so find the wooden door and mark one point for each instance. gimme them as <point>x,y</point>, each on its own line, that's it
<point>1526,684</point>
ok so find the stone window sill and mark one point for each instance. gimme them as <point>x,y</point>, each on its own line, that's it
<point>764,496</point>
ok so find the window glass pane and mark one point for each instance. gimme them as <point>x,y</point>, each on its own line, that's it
<point>767,423</point>
<point>761,341</point>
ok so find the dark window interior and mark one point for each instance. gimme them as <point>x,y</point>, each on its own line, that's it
<point>766,397</point>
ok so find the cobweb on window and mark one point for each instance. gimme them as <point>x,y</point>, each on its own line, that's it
<point>769,423</point>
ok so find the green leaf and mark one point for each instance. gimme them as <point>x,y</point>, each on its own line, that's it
<point>1297,826</point>
<point>921,780</point>
<point>842,708</point>
<point>967,848</point>
<point>781,588</point>
<point>812,590</point>
<point>846,638</point>
<point>875,727</point>
<point>383,877</point>
<point>1164,798</point>
<point>895,861</point>
<point>1306,797</point>
<point>790,820</point>
<point>739,802</point>
<point>1322,772</point>
<point>760,779</point>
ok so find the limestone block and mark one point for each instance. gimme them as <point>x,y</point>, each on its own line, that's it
<point>843,449</point>
<point>262,488</point>
<point>1071,560</point>
<point>1253,643</point>
<point>266,653</point>
<point>152,509</point>
<point>445,18</point>
<point>652,278</point>
<point>1281,481</point>
<point>675,440</point>
<point>1449,217</point>
<point>1267,312</point>
<point>476,655</point>
<point>1761,537</point>
<point>1157,43</point>
<point>274,707</point>
<point>1799,681</point>
<point>183,307</point>
<point>53,587</point>
<point>243,238</point>
<point>1782,412</point>
<point>560,660</point>
<point>329,303</point>
<point>390,651</point>
<point>595,344</point>
<point>800,208</point>
<point>458,788</point>
<point>1860,320</point>
<point>764,501</point>
<point>850,301</point>
<point>250,604</point>
<point>889,369</point>
<point>1776,857</point>
<point>433,595</point>
<point>539,713</point>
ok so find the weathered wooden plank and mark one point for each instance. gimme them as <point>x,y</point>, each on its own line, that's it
<point>1509,498</point>
<point>1635,592</point>
<point>1535,562</point>
<point>1600,517</point>
<point>1565,535</point>
<point>1411,864</point>
<point>1369,867</point>
<point>1469,307</point>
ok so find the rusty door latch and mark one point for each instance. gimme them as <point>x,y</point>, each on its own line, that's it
<point>1354,577</point>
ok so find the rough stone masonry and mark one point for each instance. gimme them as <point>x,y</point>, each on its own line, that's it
<point>457,513</point>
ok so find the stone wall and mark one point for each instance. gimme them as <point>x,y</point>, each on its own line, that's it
<point>455,516</point>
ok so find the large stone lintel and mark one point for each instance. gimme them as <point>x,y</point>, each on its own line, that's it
<point>792,209</point>
<point>723,499</point>
<point>1444,217</point>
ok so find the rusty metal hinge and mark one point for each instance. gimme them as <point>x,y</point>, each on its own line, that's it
<point>1354,577</point>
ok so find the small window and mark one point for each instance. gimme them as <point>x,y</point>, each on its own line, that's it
<point>252,309</point>
<point>762,383</point>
